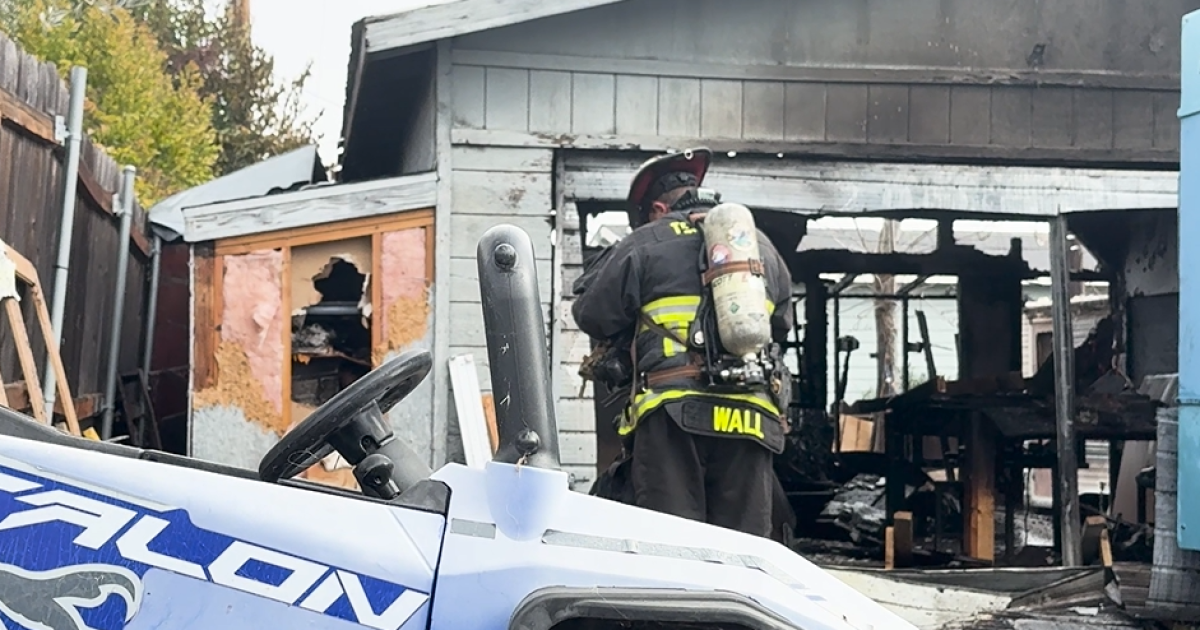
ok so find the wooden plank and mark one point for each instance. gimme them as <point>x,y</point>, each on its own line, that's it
<point>576,415</point>
<point>378,348</point>
<point>443,20</point>
<point>1133,120</point>
<point>979,479</point>
<point>1089,539</point>
<point>1053,119</point>
<point>464,278</point>
<point>469,228</point>
<point>1166,120</point>
<point>285,337</point>
<point>764,112</point>
<point>548,92</point>
<point>842,73</point>
<point>499,193</point>
<point>334,231</point>
<point>489,412</point>
<point>577,448</point>
<point>929,114</point>
<point>637,105</point>
<point>468,85</point>
<point>804,187</point>
<point>1093,119</point>
<point>29,369</point>
<point>503,159</point>
<point>720,109</point>
<point>1164,158</point>
<point>887,114</point>
<point>468,405</point>
<point>970,122</point>
<point>315,207</point>
<point>65,402</point>
<point>679,107</point>
<point>902,540</point>
<point>17,396</point>
<point>593,104</point>
<point>507,99</point>
<point>846,112</point>
<point>204,343</point>
<point>25,117</point>
<point>1010,116</point>
<point>804,111</point>
<point>889,548</point>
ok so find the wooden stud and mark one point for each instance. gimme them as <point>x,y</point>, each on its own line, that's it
<point>25,356</point>
<point>378,316</point>
<point>902,539</point>
<point>980,490</point>
<point>285,304</point>
<point>889,548</point>
<point>324,233</point>
<point>62,387</point>
<point>206,316</point>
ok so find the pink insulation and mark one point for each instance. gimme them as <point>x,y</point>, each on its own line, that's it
<point>404,285</point>
<point>253,316</point>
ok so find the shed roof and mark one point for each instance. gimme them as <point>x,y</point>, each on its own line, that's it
<point>450,18</point>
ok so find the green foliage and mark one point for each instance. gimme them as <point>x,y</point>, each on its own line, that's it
<point>254,116</point>
<point>138,114</point>
<point>181,92</point>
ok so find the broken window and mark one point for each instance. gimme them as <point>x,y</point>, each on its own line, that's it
<point>331,320</point>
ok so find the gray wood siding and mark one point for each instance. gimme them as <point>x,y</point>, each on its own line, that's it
<point>491,186</point>
<point>1021,79</point>
<point>1138,124</point>
<point>1079,35</point>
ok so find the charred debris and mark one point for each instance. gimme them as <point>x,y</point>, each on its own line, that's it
<point>941,474</point>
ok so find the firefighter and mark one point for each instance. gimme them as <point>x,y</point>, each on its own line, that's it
<point>700,452</point>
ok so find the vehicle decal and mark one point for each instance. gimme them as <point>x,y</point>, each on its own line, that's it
<point>65,550</point>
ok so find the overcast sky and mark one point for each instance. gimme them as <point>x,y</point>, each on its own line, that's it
<point>297,32</point>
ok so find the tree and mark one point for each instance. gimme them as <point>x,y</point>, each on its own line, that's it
<point>255,117</point>
<point>137,113</point>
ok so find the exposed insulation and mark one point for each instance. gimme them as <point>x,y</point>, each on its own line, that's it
<point>405,290</point>
<point>234,374</point>
<point>253,319</point>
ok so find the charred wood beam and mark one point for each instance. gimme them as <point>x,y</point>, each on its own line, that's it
<point>1064,394</point>
<point>842,284</point>
<point>949,262</point>
<point>914,285</point>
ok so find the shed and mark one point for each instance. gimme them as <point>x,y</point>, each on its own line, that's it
<point>309,260</point>
<point>536,113</point>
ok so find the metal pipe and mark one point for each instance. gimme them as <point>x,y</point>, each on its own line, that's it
<point>1064,395</point>
<point>118,313</point>
<point>151,306</point>
<point>66,227</point>
<point>520,365</point>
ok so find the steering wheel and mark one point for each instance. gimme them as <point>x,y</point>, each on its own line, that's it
<point>352,423</point>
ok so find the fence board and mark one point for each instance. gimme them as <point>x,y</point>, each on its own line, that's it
<point>31,179</point>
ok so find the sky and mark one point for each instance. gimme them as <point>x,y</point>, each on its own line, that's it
<point>299,32</point>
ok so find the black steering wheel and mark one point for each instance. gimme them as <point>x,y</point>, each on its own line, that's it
<point>352,423</point>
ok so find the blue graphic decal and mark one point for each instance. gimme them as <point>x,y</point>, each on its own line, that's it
<point>72,559</point>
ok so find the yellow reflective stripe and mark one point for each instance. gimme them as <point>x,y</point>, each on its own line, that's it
<point>675,313</point>
<point>674,301</point>
<point>770,307</point>
<point>650,400</point>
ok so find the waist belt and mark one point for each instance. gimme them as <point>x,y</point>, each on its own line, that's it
<point>658,377</point>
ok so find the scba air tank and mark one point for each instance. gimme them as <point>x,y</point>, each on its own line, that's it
<point>739,295</point>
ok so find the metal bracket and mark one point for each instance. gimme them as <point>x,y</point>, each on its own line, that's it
<point>60,130</point>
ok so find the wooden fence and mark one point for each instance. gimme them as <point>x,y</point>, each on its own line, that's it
<point>31,182</point>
